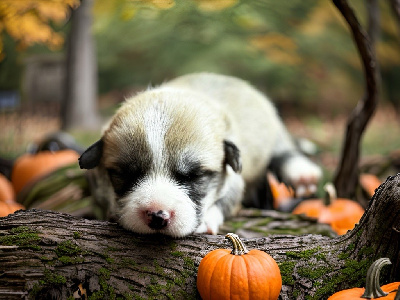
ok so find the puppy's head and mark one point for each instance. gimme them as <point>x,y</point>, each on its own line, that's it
<point>166,156</point>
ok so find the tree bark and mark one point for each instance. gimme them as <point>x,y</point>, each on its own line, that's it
<point>346,177</point>
<point>79,109</point>
<point>44,253</point>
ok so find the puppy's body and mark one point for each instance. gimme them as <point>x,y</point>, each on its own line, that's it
<point>179,156</point>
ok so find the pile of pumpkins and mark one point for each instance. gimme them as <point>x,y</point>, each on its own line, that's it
<point>340,213</point>
<point>27,169</point>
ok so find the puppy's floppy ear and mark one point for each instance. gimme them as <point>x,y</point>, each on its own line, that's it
<point>232,156</point>
<point>92,156</point>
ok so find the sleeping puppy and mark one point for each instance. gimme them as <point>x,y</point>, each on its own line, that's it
<point>183,156</point>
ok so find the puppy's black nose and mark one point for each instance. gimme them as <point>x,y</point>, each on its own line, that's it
<point>157,220</point>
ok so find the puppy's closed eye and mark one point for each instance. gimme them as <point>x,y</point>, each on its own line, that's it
<point>193,175</point>
<point>124,179</point>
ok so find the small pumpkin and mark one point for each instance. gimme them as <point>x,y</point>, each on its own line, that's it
<point>9,207</point>
<point>372,289</point>
<point>341,213</point>
<point>6,189</point>
<point>369,183</point>
<point>238,274</point>
<point>32,166</point>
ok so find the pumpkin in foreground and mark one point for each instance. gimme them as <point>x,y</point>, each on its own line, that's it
<point>238,274</point>
<point>372,289</point>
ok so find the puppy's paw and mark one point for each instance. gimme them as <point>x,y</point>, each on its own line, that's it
<point>302,174</point>
<point>213,218</point>
<point>202,228</point>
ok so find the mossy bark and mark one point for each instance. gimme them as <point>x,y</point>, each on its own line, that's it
<point>46,253</point>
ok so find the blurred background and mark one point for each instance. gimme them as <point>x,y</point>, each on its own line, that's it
<point>68,64</point>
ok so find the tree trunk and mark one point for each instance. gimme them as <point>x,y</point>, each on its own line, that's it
<point>80,104</point>
<point>395,4</point>
<point>45,254</point>
<point>346,177</point>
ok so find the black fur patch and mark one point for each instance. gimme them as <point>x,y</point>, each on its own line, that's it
<point>126,176</point>
<point>197,181</point>
<point>232,156</point>
<point>92,156</point>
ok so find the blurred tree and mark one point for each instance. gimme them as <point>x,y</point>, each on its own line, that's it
<point>79,109</point>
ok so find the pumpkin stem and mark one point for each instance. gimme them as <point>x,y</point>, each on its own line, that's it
<point>238,247</point>
<point>330,193</point>
<point>372,286</point>
<point>397,297</point>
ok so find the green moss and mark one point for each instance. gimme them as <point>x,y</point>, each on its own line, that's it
<point>313,272</point>
<point>110,260</point>
<point>105,273</point>
<point>77,235</point>
<point>179,280</point>
<point>69,253</point>
<point>296,293</point>
<point>66,260</point>
<point>68,248</point>
<point>106,291</point>
<point>23,237</point>
<point>177,253</point>
<point>45,258</point>
<point>306,254</point>
<point>173,245</point>
<point>22,229</point>
<point>127,262</point>
<point>287,268</point>
<point>349,274</point>
<point>49,280</point>
<point>189,262</point>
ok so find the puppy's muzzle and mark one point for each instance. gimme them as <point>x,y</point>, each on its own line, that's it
<point>157,220</point>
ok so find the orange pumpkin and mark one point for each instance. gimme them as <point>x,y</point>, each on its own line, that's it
<point>372,289</point>
<point>9,207</point>
<point>342,214</point>
<point>369,183</point>
<point>6,189</point>
<point>238,274</point>
<point>32,166</point>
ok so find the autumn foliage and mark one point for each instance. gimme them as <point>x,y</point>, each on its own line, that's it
<point>28,21</point>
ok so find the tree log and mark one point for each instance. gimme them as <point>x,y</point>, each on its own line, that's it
<point>47,254</point>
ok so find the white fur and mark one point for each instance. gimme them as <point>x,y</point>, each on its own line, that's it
<point>154,194</point>
<point>156,125</point>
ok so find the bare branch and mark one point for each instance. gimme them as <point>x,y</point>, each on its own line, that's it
<point>346,177</point>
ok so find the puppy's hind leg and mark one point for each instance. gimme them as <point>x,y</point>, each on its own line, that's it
<point>292,167</point>
<point>259,194</point>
